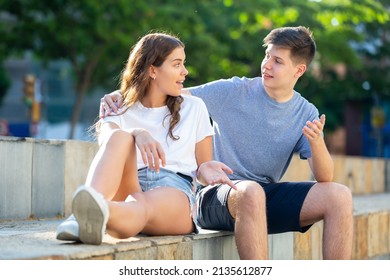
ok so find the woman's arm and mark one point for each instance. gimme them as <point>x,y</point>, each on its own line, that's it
<point>203,150</point>
<point>210,172</point>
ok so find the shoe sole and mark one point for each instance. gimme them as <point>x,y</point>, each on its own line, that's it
<point>66,236</point>
<point>89,216</point>
<point>68,230</point>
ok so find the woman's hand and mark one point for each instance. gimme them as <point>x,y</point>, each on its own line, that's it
<point>151,150</point>
<point>214,172</point>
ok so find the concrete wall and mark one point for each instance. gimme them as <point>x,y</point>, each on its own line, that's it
<point>362,175</point>
<point>38,177</point>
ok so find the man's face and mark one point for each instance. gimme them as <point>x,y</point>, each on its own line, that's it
<point>278,71</point>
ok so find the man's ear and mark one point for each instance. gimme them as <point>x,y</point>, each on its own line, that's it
<point>301,69</point>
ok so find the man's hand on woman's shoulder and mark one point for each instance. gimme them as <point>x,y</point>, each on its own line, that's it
<point>110,103</point>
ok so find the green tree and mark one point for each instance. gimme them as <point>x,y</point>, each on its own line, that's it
<point>223,37</point>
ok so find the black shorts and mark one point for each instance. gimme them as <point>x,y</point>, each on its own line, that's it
<point>283,205</point>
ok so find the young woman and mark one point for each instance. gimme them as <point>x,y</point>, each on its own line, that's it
<point>141,179</point>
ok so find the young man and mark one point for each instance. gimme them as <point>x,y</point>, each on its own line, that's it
<point>259,124</point>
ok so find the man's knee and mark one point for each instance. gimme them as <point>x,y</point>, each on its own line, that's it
<point>344,196</point>
<point>338,196</point>
<point>341,192</point>
<point>249,198</point>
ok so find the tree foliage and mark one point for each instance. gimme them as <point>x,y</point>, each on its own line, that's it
<point>223,38</point>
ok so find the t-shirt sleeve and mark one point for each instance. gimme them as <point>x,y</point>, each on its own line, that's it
<point>112,119</point>
<point>204,127</point>
<point>303,148</point>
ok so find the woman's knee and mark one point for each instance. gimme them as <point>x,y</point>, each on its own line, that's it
<point>118,137</point>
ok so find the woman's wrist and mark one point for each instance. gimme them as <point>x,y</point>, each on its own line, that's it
<point>199,174</point>
<point>137,132</point>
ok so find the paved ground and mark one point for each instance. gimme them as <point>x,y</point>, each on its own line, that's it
<point>36,239</point>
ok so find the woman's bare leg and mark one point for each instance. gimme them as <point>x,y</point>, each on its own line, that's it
<point>161,211</point>
<point>113,171</point>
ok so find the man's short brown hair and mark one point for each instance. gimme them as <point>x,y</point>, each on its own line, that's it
<point>299,40</point>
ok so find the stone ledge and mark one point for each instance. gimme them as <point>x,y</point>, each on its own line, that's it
<point>35,239</point>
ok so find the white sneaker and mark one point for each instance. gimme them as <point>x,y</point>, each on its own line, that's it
<point>68,230</point>
<point>91,211</point>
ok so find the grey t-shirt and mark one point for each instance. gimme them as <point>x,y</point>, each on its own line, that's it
<point>255,135</point>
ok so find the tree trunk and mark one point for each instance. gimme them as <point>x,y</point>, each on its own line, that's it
<point>84,80</point>
<point>76,113</point>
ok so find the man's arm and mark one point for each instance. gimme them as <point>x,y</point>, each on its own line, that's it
<point>321,163</point>
<point>110,102</point>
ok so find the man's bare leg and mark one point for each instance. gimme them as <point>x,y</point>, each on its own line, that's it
<point>247,206</point>
<point>332,203</point>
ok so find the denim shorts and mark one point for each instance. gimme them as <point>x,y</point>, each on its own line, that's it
<point>150,179</point>
<point>284,202</point>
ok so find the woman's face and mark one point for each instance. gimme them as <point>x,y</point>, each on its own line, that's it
<point>170,76</point>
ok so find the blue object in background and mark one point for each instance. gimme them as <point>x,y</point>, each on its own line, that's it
<point>19,129</point>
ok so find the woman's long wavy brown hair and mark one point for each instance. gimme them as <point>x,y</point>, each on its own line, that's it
<point>151,50</point>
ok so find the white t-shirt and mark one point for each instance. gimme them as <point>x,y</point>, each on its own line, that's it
<point>193,127</point>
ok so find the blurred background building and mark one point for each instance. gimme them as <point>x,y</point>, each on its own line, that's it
<point>53,92</point>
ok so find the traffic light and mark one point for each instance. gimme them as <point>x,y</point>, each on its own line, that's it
<point>29,89</point>
<point>32,97</point>
<point>35,111</point>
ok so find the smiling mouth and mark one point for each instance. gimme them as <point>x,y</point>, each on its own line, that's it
<point>266,75</point>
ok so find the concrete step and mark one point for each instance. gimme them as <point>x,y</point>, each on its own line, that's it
<point>35,239</point>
